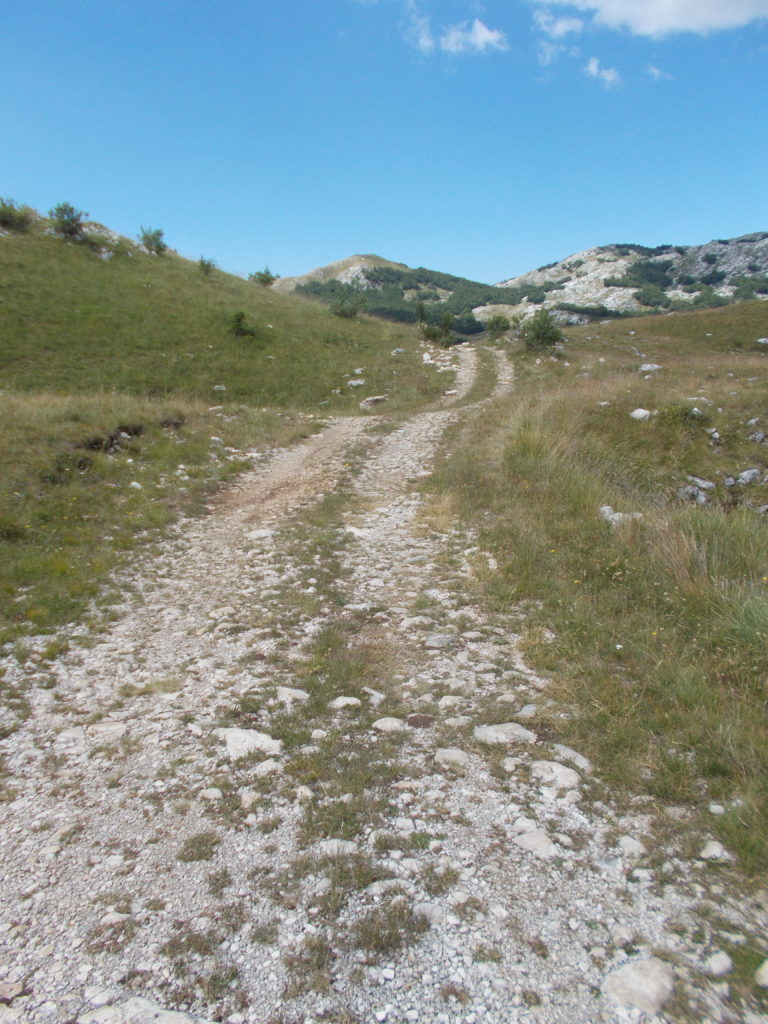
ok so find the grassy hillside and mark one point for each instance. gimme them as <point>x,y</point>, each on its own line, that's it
<point>655,629</point>
<point>125,399</point>
<point>74,321</point>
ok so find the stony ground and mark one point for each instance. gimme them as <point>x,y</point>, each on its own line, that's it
<point>298,775</point>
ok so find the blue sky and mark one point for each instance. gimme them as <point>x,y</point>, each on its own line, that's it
<point>482,139</point>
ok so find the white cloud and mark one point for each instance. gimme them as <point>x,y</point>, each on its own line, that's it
<point>664,17</point>
<point>477,38</point>
<point>419,34</point>
<point>556,28</point>
<point>608,76</point>
<point>657,74</point>
<point>549,52</point>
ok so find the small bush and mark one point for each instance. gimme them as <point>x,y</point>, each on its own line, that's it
<point>67,221</point>
<point>14,217</point>
<point>263,277</point>
<point>497,326</point>
<point>541,331</point>
<point>206,266</point>
<point>152,240</point>
<point>238,325</point>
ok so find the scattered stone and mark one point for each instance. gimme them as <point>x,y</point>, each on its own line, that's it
<point>432,913</point>
<point>214,793</point>
<point>507,732</point>
<point>714,851</point>
<point>704,485</point>
<point>336,848</point>
<point>242,742</point>
<point>136,1011</point>
<point>649,368</point>
<point>287,695</point>
<point>643,984</point>
<point>581,762</point>
<point>265,767</point>
<point>450,702</point>
<point>389,724</point>
<point>748,476</point>
<point>550,773</point>
<point>616,518</point>
<point>693,494</point>
<point>106,731</point>
<point>439,641</point>
<point>761,975</point>
<point>9,990</point>
<point>248,797</point>
<point>368,403</point>
<point>631,847</point>
<point>451,757</point>
<point>344,702</point>
<point>641,415</point>
<point>536,841</point>
<point>718,964</point>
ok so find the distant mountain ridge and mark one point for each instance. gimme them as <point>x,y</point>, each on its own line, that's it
<point>629,278</point>
<point>609,280</point>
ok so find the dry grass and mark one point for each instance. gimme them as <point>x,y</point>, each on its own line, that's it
<point>661,624</point>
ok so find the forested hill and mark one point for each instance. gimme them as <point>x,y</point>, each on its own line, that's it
<point>396,292</point>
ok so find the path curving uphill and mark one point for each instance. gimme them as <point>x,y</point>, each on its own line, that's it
<point>303,777</point>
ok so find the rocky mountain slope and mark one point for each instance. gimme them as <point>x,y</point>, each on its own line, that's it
<point>634,278</point>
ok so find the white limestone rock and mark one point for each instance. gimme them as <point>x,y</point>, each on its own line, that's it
<point>287,695</point>
<point>389,724</point>
<point>242,742</point>
<point>642,984</point>
<point>718,964</point>
<point>336,848</point>
<point>506,733</point>
<point>550,773</point>
<point>344,702</point>
<point>451,757</point>
<point>537,842</point>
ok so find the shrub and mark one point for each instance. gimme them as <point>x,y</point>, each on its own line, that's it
<point>541,331</point>
<point>263,277</point>
<point>651,295</point>
<point>14,217</point>
<point>67,221</point>
<point>710,258</point>
<point>206,266</point>
<point>348,302</point>
<point>238,325</point>
<point>497,326</point>
<point>152,240</point>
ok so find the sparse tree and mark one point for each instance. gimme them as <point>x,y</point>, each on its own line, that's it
<point>152,240</point>
<point>263,277</point>
<point>541,331</point>
<point>206,266</point>
<point>67,221</point>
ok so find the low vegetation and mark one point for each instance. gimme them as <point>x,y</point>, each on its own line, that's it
<point>658,624</point>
